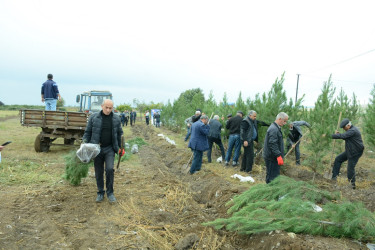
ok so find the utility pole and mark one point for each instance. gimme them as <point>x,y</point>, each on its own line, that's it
<point>297,88</point>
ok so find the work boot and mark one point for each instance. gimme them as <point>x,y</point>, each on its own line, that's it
<point>111,198</point>
<point>99,198</point>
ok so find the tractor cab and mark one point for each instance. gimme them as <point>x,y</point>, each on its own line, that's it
<point>91,101</point>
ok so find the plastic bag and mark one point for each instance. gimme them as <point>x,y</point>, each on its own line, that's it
<point>134,149</point>
<point>88,151</point>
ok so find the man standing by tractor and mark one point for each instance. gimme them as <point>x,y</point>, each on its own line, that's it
<point>50,93</point>
<point>353,150</point>
<point>104,128</point>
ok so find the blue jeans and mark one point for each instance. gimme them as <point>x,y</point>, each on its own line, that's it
<point>50,104</point>
<point>107,156</point>
<point>234,141</point>
<point>188,133</point>
<point>197,161</point>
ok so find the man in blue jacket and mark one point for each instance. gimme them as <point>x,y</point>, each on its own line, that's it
<point>104,128</point>
<point>353,150</point>
<point>273,150</point>
<point>50,93</point>
<point>198,142</point>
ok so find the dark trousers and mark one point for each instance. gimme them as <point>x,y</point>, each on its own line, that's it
<point>147,120</point>
<point>248,157</point>
<point>106,158</point>
<point>273,169</point>
<point>211,141</point>
<point>296,150</point>
<point>132,121</point>
<point>157,124</point>
<point>197,161</point>
<point>126,121</point>
<point>123,122</point>
<point>352,161</point>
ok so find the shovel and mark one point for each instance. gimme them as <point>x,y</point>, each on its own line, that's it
<point>328,174</point>
<point>122,147</point>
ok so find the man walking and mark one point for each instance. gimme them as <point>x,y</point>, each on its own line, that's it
<point>50,93</point>
<point>126,114</point>
<point>233,125</point>
<point>353,150</point>
<point>248,134</point>
<point>295,133</point>
<point>104,128</point>
<point>147,116</point>
<point>214,136</point>
<point>273,150</point>
<point>198,142</point>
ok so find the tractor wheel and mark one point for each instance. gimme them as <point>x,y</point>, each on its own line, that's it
<point>69,141</point>
<point>41,145</point>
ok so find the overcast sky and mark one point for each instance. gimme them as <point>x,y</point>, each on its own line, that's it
<point>154,50</point>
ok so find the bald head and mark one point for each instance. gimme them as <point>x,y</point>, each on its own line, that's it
<point>107,106</point>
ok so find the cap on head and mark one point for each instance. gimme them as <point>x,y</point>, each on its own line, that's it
<point>229,116</point>
<point>240,112</point>
<point>344,122</point>
<point>50,76</point>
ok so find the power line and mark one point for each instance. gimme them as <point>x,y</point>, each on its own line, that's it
<point>343,61</point>
<point>325,78</point>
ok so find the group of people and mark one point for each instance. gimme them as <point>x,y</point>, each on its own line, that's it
<point>126,116</point>
<point>243,131</point>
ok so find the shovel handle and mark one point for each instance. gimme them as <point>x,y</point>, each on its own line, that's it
<point>333,146</point>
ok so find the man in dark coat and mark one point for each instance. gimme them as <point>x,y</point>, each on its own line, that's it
<point>157,119</point>
<point>104,128</point>
<point>353,150</point>
<point>214,136</point>
<point>273,150</point>
<point>233,125</point>
<point>248,134</point>
<point>133,117</point>
<point>198,142</point>
<point>295,133</point>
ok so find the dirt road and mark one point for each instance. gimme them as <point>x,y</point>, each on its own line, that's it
<point>159,207</point>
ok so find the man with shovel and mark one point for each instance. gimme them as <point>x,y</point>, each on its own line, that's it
<point>295,133</point>
<point>353,150</point>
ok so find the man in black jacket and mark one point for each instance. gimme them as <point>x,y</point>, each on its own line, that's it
<point>273,150</point>
<point>353,150</point>
<point>104,128</point>
<point>233,125</point>
<point>248,134</point>
<point>214,136</point>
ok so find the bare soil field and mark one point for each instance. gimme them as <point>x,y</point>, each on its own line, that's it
<point>159,205</point>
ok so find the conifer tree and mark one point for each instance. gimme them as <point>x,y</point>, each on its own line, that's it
<point>240,104</point>
<point>322,119</point>
<point>210,106</point>
<point>369,121</point>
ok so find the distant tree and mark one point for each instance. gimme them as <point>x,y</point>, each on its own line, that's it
<point>1,103</point>
<point>123,107</point>
<point>61,103</point>
<point>369,120</point>
<point>210,106</point>
<point>322,119</point>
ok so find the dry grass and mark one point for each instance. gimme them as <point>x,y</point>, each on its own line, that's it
<point>7,113</point>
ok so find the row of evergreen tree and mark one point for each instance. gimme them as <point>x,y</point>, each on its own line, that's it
<point>323,116</point>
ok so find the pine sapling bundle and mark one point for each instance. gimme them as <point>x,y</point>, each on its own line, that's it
<point>75,170</point>
<point>290,205</point>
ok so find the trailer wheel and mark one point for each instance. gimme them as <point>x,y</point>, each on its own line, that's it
<point>69,141</point>
<point>41,145</point>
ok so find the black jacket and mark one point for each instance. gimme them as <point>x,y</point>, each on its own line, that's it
<point>215,129</point>
<point>234,124</point>
<point>273,143</point>
<point>353,141</point>
<point>258,123</point>
<point>195,118</point>
<point>247,129</point>
<point>94,128</point>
